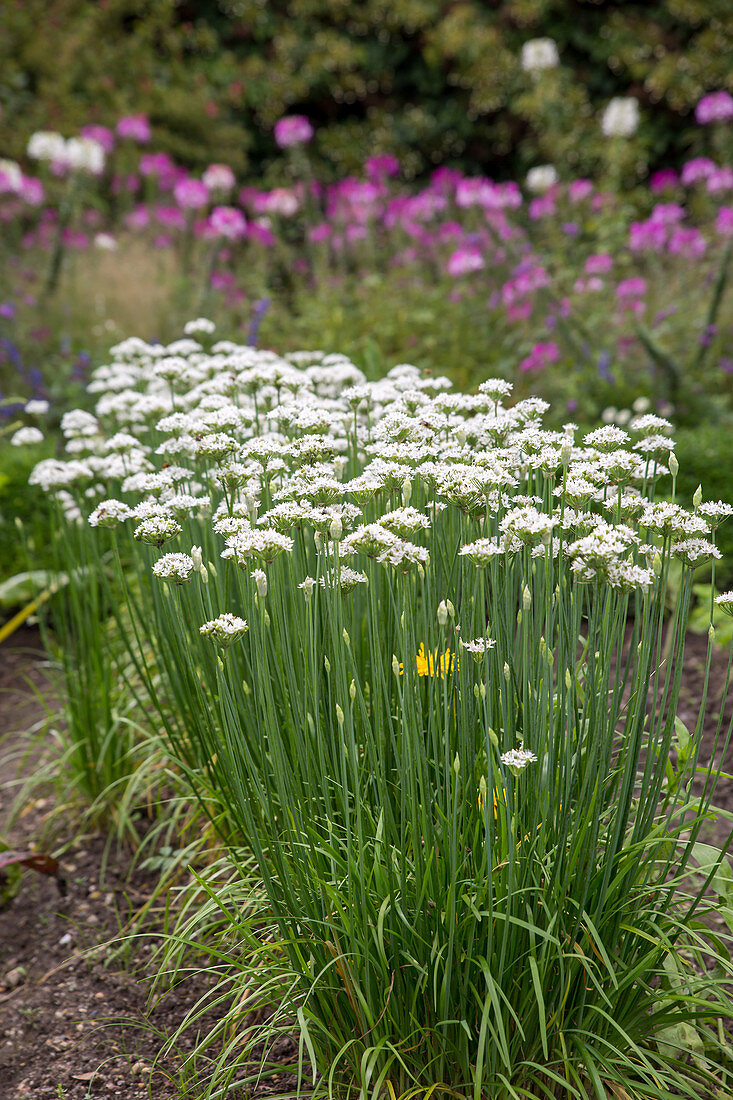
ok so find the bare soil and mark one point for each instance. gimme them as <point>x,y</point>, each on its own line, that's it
<point>75,1020</point>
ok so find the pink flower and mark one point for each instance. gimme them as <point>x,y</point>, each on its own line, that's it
<point>31,191</point>
<point>293,130</point>
<point>579,190</point>
<point>541,356</point>
<point>138,218</point>
<point>319,233</point>
<point>465,260</point>
<point>100,134</point>
<point>724,224</point>
<point>280,201</point>
<point>191,194</point>
<point>379,167</point>
<point>218,177</point>
<point>599,264</point>
<point>631,288</point>
<point>687,242</point>
<point>135,127</point>
<point>260,232</point>
<point>663,180</point>
<point>699,168</point>
<point>170,217</point>
<point>227,222</point>
<point>719,180</point>
<point>714,107</point>
<point>542,207</point>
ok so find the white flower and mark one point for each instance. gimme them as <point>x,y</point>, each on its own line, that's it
<point>109,513</point>
<point>538,54</point>
<point>477,647</point>
<point>174,567</point>
<point>10,169</point>
<point>46,145</point>
<point>482,551</point>
<point>200,325</point>
<point>725,602</point>
<point>84,155</point>
<point>224,629</point>
<point>695,552</point>
<point>621,117</point>
<point>27,435</point>
<point>157,530</point>
<point>37,407</point>
<point>607,438</point>
<point>541,178</point>
<point>260,578</point>
<point>345,578</point>
<point>105,242</point>
<point>517,759</point>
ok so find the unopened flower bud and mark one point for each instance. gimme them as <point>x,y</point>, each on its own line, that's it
<point>352,691</point>
<point>204,574</point>
<point>260,578</point>
<point>482,790</point>
<point>526,598</point>
<point>336,529</point>
<point>406,492</point>
<point>318,540</point>
<point>451,610</point>
<point>212,569</point>
<point>456,764</point>
<point>246,688</point>
<point>345,636</point>
<point>674,466</point>
<point>442,613</point>
<point>697,497</point>
<point>491,734</point>
<point>197,557</point>
<point>395,665</point>
<point>266,619</point>
<point>657,564</point>
<point>711,633</point>
<point>566,452</point>
<point>327,664</point>
<point>339,715</point>
<point>507,672</point>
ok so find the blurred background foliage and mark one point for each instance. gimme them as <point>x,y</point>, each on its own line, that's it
<point>427,80</point>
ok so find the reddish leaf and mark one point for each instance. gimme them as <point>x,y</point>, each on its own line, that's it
<point>37,861</point>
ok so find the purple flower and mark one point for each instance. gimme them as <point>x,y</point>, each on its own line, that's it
<point>293,130</point>
<point>319,233</point>
<point>191,194</point>
<point>599,264</point>
<point>227,222</point>
<point>699,168</point>
<point>379,167</point>
<point>631,288</point>
<point>663,180</point>
<point>7,310</point>
<point>464,260</point>
<point>541,356</point>
<point>579,190</point>
<point>100,134</point>
<point>135,127</point>
<point>714,107</point>
<point>219,177</point>
<point>687,242</point>
<point>31,191</point>
<point>719,180</point>
<point>724,224</point>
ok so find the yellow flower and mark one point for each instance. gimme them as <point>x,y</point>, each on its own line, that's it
<point>494,797</point>
<point>433,664</point>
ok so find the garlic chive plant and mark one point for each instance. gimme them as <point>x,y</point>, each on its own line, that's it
<point>440,710</point>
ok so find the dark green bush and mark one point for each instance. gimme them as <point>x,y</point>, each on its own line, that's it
<point>429,80</point>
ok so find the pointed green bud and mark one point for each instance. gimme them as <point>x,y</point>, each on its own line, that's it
<point>395,665</point>
<point>327,665</point>
<point>457,764</point>
<point>246,688</point>
<point>406,492</point>
<point>494,740</point>
<point>339,715</point>
<point>345,635</point>
<point>442,613</point>
<point>526,598</point>
<point>697,497</point>
<point>568,679</point>
<point>674,466</point>
<point>352,691</point>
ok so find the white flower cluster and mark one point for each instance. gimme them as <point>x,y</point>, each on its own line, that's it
<point>224,629</point>
<point>621,117</point>
<point>539,54</point>
<point>301,463</point>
